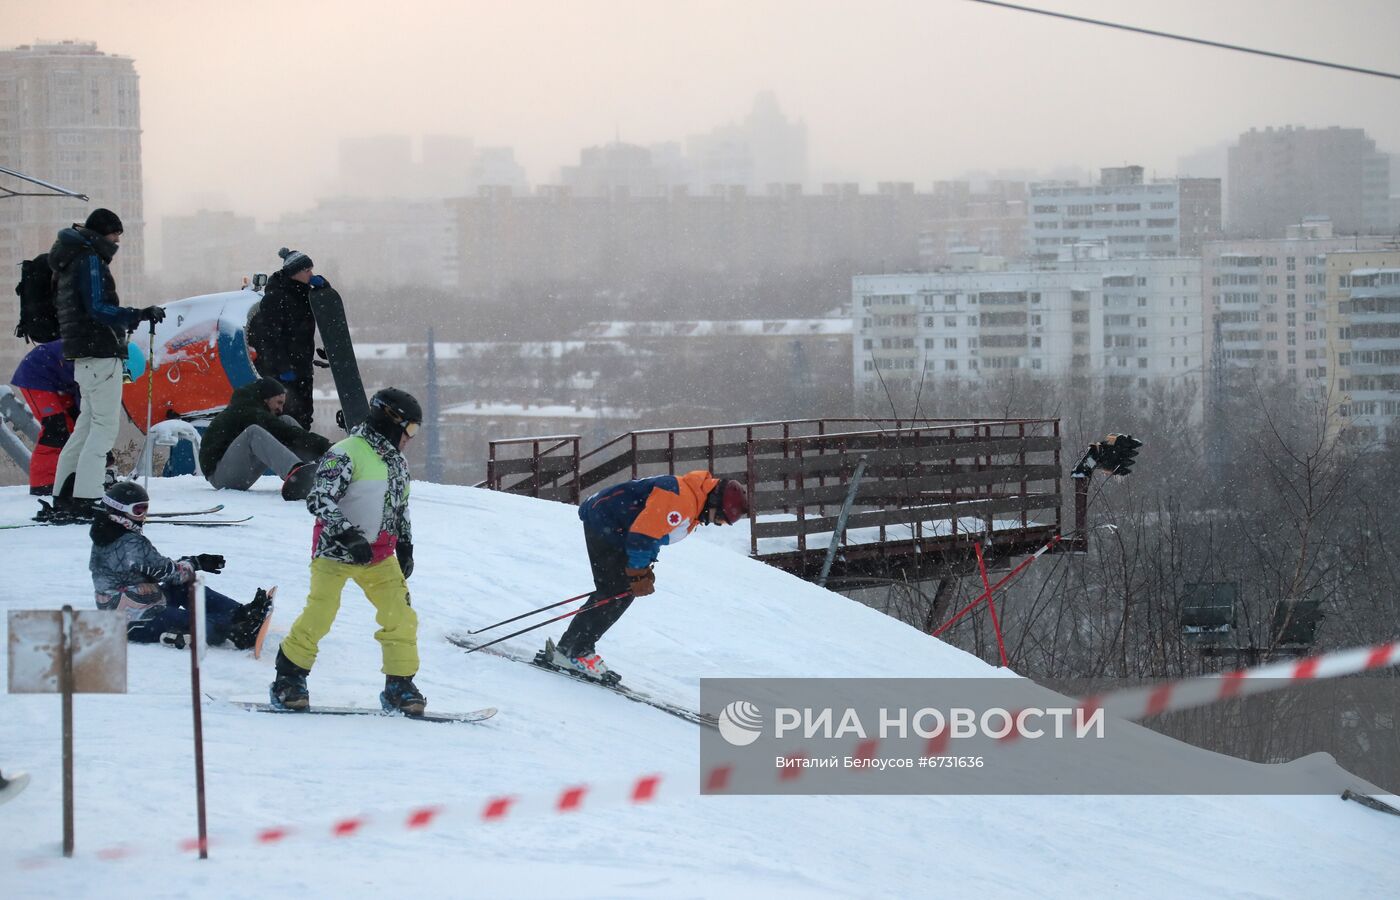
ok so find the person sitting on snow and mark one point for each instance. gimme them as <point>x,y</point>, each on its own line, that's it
<point>624,528</point>
<point>251,435</point>
<point>130,575</point>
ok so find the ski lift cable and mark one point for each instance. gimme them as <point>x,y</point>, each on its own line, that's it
<point>57,191</point>
<point>1288,57</point>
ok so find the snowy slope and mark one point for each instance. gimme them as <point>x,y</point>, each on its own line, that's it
<point>483,556</point>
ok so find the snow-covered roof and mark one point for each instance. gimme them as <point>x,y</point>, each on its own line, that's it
<point>538,411</point>
<point>719,327</point>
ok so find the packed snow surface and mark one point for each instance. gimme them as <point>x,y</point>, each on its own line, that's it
<point>483,556</point>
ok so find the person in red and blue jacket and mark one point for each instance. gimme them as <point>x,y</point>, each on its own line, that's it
<point>45,380</point>
<point>625,527</point>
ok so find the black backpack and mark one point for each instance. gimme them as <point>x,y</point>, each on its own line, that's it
<point>37,290</point>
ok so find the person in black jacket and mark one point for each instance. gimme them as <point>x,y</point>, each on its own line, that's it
<point>283,331</point>
<point>251,435</point>
<point>94,327</point>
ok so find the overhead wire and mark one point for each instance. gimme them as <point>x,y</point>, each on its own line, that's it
<point>1288,57</point>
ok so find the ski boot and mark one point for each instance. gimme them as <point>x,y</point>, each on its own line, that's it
<point>585,665</point>
<point>289,691</point>
<point>400,694</point>
<point>247,620</point>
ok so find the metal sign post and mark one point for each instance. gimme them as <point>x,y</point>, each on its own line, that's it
<point>197,644</point>
<point>67,652</point>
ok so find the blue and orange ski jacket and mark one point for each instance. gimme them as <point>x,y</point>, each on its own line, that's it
<point>643,515</point>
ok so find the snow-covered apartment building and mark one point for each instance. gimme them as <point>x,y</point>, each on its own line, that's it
<point>1129,322</point>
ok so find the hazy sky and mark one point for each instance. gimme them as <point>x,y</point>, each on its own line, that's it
<point>247,99</point>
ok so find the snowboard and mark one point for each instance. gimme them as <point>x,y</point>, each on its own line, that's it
<point>329,311</point>
<point>14,785</point>
<point>680,712</point>
<point>476,715</point>
<point>266,623</point>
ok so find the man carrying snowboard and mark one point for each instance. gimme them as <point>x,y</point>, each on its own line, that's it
<point>362,532</point>
<point>283,331</point>
<point>624,528</point>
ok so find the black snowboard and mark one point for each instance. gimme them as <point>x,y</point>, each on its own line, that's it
<point>329,311</point>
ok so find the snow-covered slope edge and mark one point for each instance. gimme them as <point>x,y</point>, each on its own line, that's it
<point>481,557</point>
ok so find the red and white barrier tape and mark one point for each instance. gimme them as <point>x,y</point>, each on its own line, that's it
<point>1136,703</point>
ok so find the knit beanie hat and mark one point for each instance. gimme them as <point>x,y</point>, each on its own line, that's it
<point>293,261</point>
<point>104,222</point>
<point>269,388</point>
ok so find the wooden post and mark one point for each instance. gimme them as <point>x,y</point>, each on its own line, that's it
<point>66,650</point>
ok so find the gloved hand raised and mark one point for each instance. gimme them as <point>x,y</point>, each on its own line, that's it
<point>319,281</point>
<point>152,314</point>
<point>356,547</point>
<point>208,562</point>
<point>643,581</point>
<point>404,551</point>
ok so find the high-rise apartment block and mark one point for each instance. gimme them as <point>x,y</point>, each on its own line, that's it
<point>71,115</point>
<point>1280,176</point>
<point>1266,301</point>
<point>1129,324</point>
<point>1133,218</point>
<point>1363,324</point>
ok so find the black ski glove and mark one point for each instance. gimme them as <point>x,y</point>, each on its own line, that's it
<point>404,551</point>
<point>323,362</point>
<point>152,314</point>
<point>354,544</point>
<point>208,562</point>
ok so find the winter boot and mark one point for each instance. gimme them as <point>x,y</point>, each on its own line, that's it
<point>289,690</point>
<point>247,620</point>
<point>402,695</point>
<point>586,665</point>
<point>299,481</point>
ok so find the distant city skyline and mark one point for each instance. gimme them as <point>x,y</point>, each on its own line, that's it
<point>901,90</point>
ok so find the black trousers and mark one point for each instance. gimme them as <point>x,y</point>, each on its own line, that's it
<point>609,579</point>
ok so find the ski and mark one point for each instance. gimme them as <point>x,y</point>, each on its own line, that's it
<point>12,787</point>
<point>476,715</point>
<point>198,523</point>
<point>208,511</point>
<point>680,712</point>
<point>1369,801</point>
<point>201,523</point>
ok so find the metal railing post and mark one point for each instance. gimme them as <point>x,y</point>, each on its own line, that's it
<point>838,534</point>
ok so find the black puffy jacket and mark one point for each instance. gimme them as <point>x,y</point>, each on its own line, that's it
<point>284,329</point>
<point>91,319</point>
<point>246,408</point>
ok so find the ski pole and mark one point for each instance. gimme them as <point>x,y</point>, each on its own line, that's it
<point>530,613</point>
<point>602,602</point>
<point>146,450</point>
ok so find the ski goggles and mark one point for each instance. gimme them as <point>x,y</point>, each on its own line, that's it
<point>135,510</point>
<point>409,428</point>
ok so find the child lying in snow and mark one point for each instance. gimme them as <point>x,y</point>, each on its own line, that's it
<point>129,574</point>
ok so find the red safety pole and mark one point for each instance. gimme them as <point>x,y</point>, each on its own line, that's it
<point>996,625</point>
<point>988,592</point>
